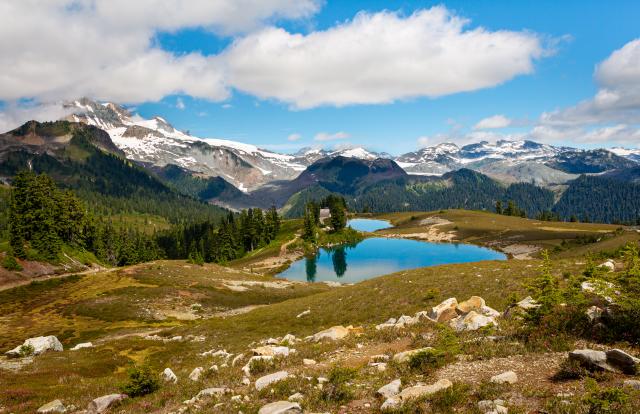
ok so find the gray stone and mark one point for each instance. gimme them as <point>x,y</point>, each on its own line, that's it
<point>38,344</point>
<point>169,376</point>
<point>390,390</point>
<point>102,404</point>
<point>405,356</point>
<point>508,377</point>
<point>591,359</point>
<point>635,384</point>
<point>281,407</point>
<point>54,406</point>
<point>267,380</point>
<point>623,361</point>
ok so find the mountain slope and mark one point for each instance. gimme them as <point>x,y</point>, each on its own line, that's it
<point>156,143</point>
<point>83,158</point>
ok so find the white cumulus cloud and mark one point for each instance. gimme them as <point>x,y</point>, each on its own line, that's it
<point>493,122</point>
<point>325,136</point>
<point>379,58</point>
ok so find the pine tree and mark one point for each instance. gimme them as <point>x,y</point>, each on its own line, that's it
<point>499,207</point>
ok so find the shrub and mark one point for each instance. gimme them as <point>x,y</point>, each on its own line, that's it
<point>142,381</point>
<point>337,389</point>
<point>446,400</point>
<point>26,350</point>
<point>426,361</point>
<point>604,401</point>
<point>10,263</point>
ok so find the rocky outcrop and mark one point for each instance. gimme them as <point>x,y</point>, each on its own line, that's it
<point>472,322</point>
<point>445,311</point>
<point>36,346</point>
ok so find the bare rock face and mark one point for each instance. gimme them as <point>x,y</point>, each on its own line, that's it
<point>281,407</point>
<point>102,404</point>
<point>36,346</point>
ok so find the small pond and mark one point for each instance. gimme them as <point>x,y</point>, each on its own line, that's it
<point>369,225</point>
<point>380,256</point>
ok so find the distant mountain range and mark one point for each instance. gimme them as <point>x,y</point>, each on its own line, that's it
<point>114,158</point>
<point>157,143</point>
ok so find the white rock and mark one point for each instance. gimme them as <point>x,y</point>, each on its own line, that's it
<point>308,362</point>
<point>305,313</point>
<point>472,321</point>
<point>169,376</point>
<point>222,353</point>
<point>289,339</point>
<point>39,344</point>
<point>281,407</point>
<point>390,390</point>
<point>82,346</point>
<point>267,380</point>
<point>492,407</point>
<point>334,333</point>
<point>528,303</point>
<point>102,404</point>
<point>635,384</point>
<point>594,313</point>
<point>196,374</point>
<point>297,397</point>
<point>610,265</point>
<point>209,392</point>
<point>405,356</point>
<point>272,350</point>
<point>54,406</point>
<point>390,404</point>
<point>508,377</point>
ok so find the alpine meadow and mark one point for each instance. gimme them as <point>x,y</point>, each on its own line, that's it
<point>319,206</point>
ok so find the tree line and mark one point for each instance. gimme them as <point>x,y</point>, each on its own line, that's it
<point>43,218</point>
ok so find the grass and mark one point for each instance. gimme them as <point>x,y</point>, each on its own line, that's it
<point>107,307</point>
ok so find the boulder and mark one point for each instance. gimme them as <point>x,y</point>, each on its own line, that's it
<point>624,362</point>
<point>38,345</point>
<point>334,333</point>
<point>474,303</point>
<point>289,339</point>
<point>390,390</point>
<point>281,407</point>
<point>420,391</point>
<point>472,321</point>
<point>609,265</point>
<point>82,346</point>
<point>528,303</point>
<point>591,359</point>
<point>405,356</point>
<point>272,350</point>
<point>102,404</point>
<point>508,377</point>
<point>297,397</point>
<point>196,374</point>
<point>267,380</point>
<point>169,376</point>
<point>54,406</point>
<point>445,311</point>
<point>308,362</point>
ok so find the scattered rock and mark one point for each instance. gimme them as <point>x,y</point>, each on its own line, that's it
<point>37,346</point>
<point>267,380</point>
<point>492,407</point>
<point>635,384</point>
<point>305,313</point>
<point>528,303</point>
<point>474,303</point>
<point>297,397</point>
<point>591,359</point>
<point>508,377</point>
<point>169,376</point>
<point>308,362</point>
<point>237,359</point>
<point>610,265</point>
<point>196,374</point>
<point>334,333</point>
<point>54,406</point>
<point>599,287</point>
<point>405,356</point>
<point>418,391</point>
<point>594,313</point>
<point>247,368</point>
<point>281,407</point>
<point>102,404</point>
<point>390,390</point>
<point>82,346</point>
<point>272,350</point>
<point>445,311</point>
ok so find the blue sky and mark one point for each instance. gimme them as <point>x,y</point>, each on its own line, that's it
<point>569,39</point>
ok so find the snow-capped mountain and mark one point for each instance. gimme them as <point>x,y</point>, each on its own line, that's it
<point>512,161</point>
<point>632,154</point>
<point>155,142</point>
<point>308,156</point>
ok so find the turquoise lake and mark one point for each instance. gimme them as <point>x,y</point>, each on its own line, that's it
<point>368,224</point>
<point>380,256</point>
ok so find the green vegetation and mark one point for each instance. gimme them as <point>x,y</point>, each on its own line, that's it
<point>142,381</point>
